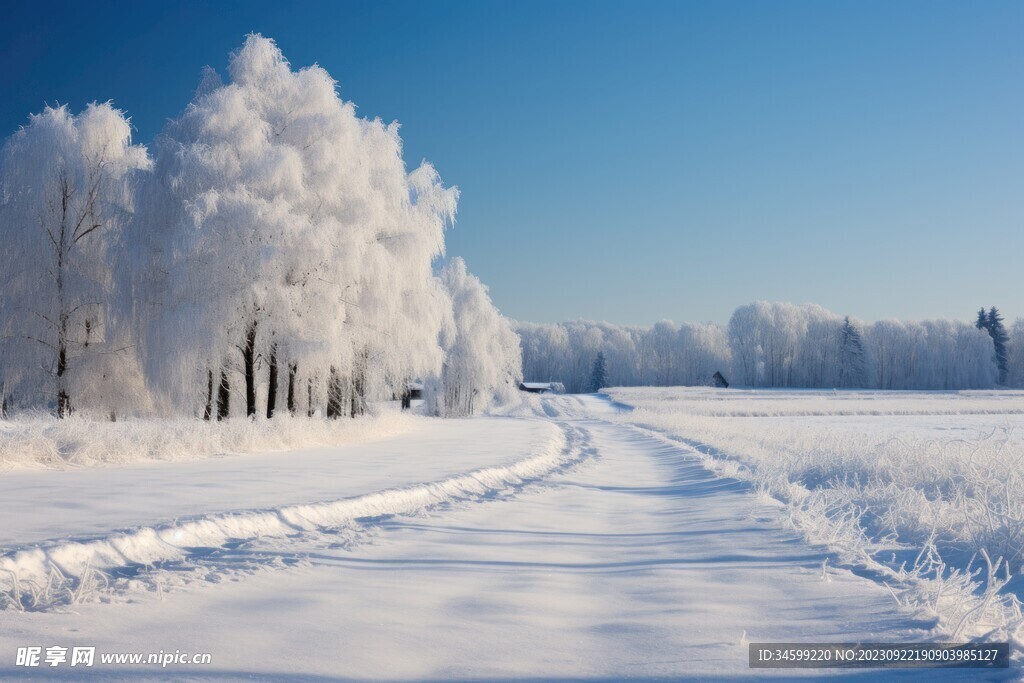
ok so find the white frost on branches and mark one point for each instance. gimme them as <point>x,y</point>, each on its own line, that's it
<point>286,229</point>
<point>483,363</point>
<point>66,190</point>
<point>276,255</point>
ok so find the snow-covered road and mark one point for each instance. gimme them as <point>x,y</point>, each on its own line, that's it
<point>635,561</point>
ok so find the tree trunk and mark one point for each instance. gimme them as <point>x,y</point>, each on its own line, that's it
<point>310,410</point>
<point>249,358</point>
<point>358,396</point>
<point>208,409</point>
<point>63,399</point>
<point>357,405</point>
<point>293,369</point>
<point>272,389</point>
<point>334,395</point>
<point>223,397</point>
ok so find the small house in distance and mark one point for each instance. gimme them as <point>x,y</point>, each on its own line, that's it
<point>542,387</point>
<point>718,380</point>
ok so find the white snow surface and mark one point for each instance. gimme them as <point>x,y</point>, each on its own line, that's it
<point>561,542</point>
<point>923,490</point>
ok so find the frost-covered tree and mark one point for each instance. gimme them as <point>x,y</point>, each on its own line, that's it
<point>545,349</point>
<point>66,186</point>
<point>704,350</point>
<point>933,354</point>
<point>663,349</point>
<point>400,305</point>
<point>658,355</point>
<point>764,337</point>
<point>482,363</point>
<point>1015,355</point>
<point>282,234</point>
<point>599,375</point>
<point>585,341</point>
<point>619,350</point>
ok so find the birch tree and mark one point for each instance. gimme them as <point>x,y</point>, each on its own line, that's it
<point>66,184</point>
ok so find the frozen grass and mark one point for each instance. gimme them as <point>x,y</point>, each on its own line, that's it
<point>42,441</point>
<point>915,488</point>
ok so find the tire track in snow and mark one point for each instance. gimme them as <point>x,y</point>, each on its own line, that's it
<point>69,571</point>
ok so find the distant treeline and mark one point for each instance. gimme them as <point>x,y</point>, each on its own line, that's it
<point>782,345</point>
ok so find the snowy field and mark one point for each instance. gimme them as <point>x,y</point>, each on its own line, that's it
<point>570,538</point>
<point>922,491</point>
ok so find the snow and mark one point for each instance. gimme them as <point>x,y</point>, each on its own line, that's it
<point>920,489</point>
<point>34,441</point>
<point>559,540</point>
<point>90,501</point>
<point>179,540</point>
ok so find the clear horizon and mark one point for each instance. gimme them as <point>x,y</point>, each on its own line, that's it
<point>632,164</point>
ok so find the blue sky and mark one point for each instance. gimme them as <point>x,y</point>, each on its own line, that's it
<point>642,160</point>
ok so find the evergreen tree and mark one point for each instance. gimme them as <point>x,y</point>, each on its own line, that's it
<point>851,356</point>
<point>599,376</point>
<point>997,331</point>
<point>982,322</point>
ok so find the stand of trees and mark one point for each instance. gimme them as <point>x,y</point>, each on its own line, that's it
<point>782,345</point>
<point>274,255</point>
<point>662,355</point>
